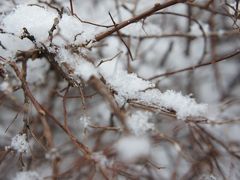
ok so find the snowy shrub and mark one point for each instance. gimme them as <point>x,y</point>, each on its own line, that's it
<point>137,89</point>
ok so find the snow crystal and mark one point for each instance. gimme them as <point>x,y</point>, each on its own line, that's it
<point>138,122</point>
<point>131,148</point>
<point>19,143</point>
<point>27,175</point>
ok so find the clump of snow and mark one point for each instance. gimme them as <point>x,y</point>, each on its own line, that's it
<point>27,175</point>
<point>79,65</point>
<point>37,20</point>
<point>183,105</point>
<point>20,144</point>
<point>127,85</point>
<point>72,30</point>
<point>131,148</point>
<point>13,44</point>
<point>138,122</point>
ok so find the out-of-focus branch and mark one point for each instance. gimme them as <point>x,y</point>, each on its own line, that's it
<point>223,58</point>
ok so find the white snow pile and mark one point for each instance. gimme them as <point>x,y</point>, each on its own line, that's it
<point>138,122</point>
<point>131,148</point>
<point>39,20</point>
<point>27,175</point>
<point>131,87</point>
<point>20,144</point>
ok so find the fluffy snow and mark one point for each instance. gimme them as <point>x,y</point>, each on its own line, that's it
<point>27,175</point>
<point>20,144</point>
<point>183,105</point>
<point>70,26</point>
<point>131,148</point>
<point>138,122</point>
<point>129,86</point>
<point>37,20</point>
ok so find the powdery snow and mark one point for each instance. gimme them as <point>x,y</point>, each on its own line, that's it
<point>131,148</point>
